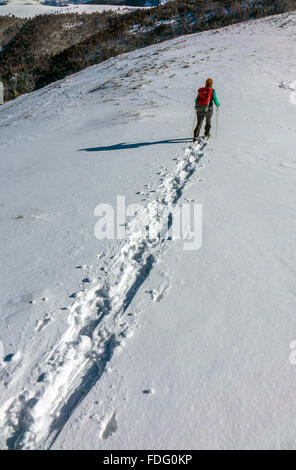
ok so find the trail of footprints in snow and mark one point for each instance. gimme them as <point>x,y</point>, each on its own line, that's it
<point>98,324</point>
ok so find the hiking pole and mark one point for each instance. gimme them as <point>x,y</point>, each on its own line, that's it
<point>217,114</point>
<point>194,119</point>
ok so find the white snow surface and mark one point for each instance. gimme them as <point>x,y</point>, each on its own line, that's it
<point>137,344</point>
<point>31,8</point>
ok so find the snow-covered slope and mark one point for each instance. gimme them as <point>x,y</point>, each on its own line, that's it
<point>31,8</point>
<point>133,343</point>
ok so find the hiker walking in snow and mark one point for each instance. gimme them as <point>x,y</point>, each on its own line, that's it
<point>204,108</point>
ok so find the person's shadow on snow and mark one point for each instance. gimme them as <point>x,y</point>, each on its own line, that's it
<point>125,146</point>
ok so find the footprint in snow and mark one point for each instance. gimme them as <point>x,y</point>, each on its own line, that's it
<point>157,294</point>
<point>148,391</point>
<point>110,428</point>
<point>13,357</point>
<point>41,324</point>
<point>291,164</point>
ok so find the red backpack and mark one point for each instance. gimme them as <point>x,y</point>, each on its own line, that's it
<point>204,96</point>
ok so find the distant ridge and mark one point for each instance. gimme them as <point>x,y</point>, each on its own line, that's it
<point>47,48</point>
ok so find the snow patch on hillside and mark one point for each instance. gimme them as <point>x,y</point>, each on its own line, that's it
<point>32,8</point>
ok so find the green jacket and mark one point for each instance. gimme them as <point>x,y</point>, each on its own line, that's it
<point>213,99</point>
